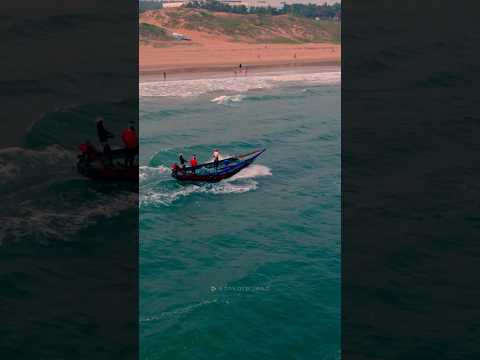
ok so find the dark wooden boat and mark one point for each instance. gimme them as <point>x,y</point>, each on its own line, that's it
<point>101,167</point>
<point>209,173</point>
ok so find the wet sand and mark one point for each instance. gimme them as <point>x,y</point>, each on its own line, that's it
<point>222,73</point>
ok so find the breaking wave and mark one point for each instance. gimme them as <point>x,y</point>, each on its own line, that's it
<point>196,87</point>
<point>228,99</point>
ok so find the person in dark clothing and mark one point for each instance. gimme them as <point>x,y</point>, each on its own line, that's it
<point>103,136</point>
<point>182,161</point>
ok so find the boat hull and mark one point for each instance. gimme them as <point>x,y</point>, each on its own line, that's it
<point>224,171</point>
<point>108,174</point>
<point>99,169</point>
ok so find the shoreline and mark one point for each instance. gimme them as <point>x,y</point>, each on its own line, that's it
<point>202,71</point>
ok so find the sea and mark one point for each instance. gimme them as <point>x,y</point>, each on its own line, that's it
<point>248,268</point>
<point>68,245</point>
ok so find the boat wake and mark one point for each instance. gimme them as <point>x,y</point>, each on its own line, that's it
<point>157,188</point>
<point>147,173</point>
<point>44,199</point>
<point>177,312</point>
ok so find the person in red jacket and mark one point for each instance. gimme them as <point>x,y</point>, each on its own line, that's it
<point>193,162</point>
<point>88,151</point>
<point>130,139</point>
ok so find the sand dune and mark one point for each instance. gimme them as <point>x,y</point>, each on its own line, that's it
<point>209,51</point>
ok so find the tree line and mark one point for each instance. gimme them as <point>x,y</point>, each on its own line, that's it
<point>145,5</point>
<point>324,11</point>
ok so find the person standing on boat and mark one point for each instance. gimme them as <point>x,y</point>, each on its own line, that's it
<point>129,137</point>
<point>216,159</point>
<point>182,161</point>
<point>103,136</point>
<point>193,162</point>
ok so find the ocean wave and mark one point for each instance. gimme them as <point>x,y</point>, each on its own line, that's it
<point>196,87</point>
<point>158,195</point>
<point>228,99</point>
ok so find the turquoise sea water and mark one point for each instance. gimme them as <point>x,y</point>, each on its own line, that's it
<point>248,268</point>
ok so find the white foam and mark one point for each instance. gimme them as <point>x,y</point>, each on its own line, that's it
<point>196,87</point>
<point>17,162</point>
<point>252,171</point>
<point>155,197</point>
<point>238,184</point>
<point>35,221</point>
<point>148,172</point>
<point>228,99</point>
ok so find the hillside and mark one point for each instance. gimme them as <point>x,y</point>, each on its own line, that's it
<point>156,25</point>
<point>149,32</point>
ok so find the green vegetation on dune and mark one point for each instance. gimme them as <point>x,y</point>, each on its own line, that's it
<point>149,32</point>
<point>255,28</point>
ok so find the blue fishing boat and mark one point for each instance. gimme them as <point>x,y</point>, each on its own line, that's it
<point>208,172</point>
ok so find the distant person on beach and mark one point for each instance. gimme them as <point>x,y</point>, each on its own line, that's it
<point>164,76</point>
<point>129,137</point>
<point>241,69</point>
<point>103,136</point>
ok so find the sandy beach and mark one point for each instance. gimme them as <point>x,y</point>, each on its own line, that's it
<point>211,45</point>
<point>222,56</point>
